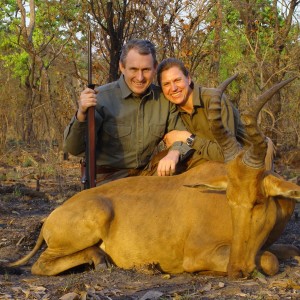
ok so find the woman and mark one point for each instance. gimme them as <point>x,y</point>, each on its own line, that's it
<point>192,102</point>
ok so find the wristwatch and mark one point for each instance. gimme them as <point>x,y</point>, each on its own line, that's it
<point>190,140</point>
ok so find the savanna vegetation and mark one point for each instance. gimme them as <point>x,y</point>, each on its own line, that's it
<point>43,68</point>
<point>43,58</point>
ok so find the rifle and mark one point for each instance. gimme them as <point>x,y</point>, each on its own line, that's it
<point>89,180</point>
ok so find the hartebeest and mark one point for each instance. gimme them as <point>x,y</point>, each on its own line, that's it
<point>214,217</point>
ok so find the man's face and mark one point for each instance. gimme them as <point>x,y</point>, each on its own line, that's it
<point>175,85</point>
<point>139,71</point>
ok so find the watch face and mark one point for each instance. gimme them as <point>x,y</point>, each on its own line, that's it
<point>190,140</point>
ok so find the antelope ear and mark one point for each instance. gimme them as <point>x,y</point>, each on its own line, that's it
<point>219,184</point>
<point>275,186</point>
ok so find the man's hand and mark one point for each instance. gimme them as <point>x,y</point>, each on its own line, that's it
<point>176,136</point>
<point>86,100</point>
<point>166,166</point>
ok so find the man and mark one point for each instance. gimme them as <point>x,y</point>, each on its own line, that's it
<point>132,116</point>
<point>192,102</point>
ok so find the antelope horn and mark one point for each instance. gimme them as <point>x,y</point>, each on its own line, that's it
<point>255,156</point>
<point>225,83</point>
<point>266,96</point>
<point>225,139</point>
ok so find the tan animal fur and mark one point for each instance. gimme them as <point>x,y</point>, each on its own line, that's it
<point>145,220</point>
<point>215,217</point>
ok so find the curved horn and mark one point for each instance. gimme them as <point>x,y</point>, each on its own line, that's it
<point>225,83</point>
<point>255,155</point>
<point>225,139</point>
<point>266,96</point>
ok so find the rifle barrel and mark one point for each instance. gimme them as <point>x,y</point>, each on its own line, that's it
<point>91,128</point>
<point>90,77</point>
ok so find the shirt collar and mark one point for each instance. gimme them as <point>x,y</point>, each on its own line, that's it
<point>126,91</point>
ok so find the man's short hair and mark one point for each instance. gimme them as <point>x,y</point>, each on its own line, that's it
<point>143,47</point>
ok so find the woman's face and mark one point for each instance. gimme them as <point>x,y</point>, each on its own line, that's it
<point>175,85</point>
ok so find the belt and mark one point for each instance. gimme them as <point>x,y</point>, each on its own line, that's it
<point>105,170</point>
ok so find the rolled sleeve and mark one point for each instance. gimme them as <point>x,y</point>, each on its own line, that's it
<point>74,137</point>
<point>183,148</point>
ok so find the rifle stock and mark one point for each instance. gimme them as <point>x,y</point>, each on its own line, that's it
<point>90,153</point>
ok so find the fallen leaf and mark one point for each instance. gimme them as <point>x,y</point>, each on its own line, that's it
<point>176,297</point>
<point>242,295</point>
<point>98,287</point>
<point>206,288</point>
<point>28,280</point>
<point>150,295</point>
<point>285,284</point>
<point>262,280</point>
<point>70,296</point>
<point>26,292</point>
<point>38,289</point>
<point>6,296</point>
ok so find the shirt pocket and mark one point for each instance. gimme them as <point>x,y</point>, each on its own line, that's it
<point>117,139</point>
<point>117,131</point>
<point>157,130</point>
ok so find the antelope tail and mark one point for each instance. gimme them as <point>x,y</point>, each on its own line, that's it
<point>26,258</point>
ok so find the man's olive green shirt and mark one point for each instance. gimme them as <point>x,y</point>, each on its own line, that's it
<point>128,128</point>
<point>197,123</point>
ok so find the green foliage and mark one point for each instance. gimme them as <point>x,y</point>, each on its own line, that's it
<point>251,43</point>
<point>232,16</point>
<point>18,64</point>
<point>17,192</point>
<point>50,31</point>
<point>14,57</point>
<point>27,163</point>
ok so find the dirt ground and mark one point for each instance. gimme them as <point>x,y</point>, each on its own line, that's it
<point>32,185</point>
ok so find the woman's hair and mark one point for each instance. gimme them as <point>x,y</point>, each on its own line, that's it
<point>143,47</point>
<point>168,63</point>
